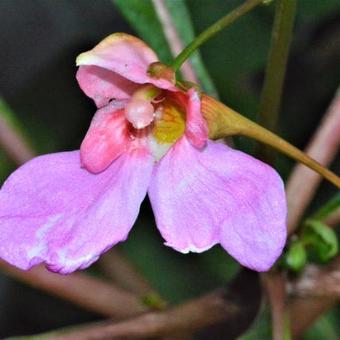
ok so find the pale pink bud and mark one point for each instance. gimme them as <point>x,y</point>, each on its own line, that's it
<point>139,112</point>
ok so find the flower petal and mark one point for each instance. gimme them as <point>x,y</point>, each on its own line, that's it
<point>196,127</point>
<point>54,212</point>
<point>126,55</point>
<point>102,85</point>
<point>106,139</point>
<point>219,195</point>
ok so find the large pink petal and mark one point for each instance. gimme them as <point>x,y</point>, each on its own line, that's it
<point>106,139</point>
<point>196,128</point>
<point>219,195</point>
<point>54,212</point>
<point>126,55</point>
<point>102,85</point>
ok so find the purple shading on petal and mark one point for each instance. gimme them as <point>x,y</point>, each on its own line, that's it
<point>55,212</point>
<point>219,195</point>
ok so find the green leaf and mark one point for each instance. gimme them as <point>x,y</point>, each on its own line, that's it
<point>296,256</point>
<point>322,239</point>
<point>326,327</point>
<point>332,205</point>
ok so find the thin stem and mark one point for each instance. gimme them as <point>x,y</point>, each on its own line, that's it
<point>323,147</point>
<point>268,116</point>
<point>12,140</point>
<point>213,30</point>
<point>236,303</point>
<point>274,284</point>
<point>333,220</point>
<point>190,316</point>
<point>171,34</point>
<point>81,289</point>
<point>223,121</point>
<point>117,268</point>
<point>276,69</point>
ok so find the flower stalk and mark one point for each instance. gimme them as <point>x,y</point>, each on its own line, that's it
<point>276,69</point>
<point>213,30</point>
<point>223,121</point>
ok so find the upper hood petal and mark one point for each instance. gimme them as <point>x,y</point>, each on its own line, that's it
<point>102,85</point>
<point>125,55</point>
<point>54,212</point>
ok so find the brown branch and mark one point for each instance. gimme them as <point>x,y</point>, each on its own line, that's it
<point>230,309</point>
<point>119,270</point>
<point>323,147</point>
<point>318,281</point>
<point>190,316</point>
<point>333,220</point>
<point>83,290</point>
<point>13,143</point>
<point>173,38</point>
<point>304,311</point>
<point>315,292</point>
<point>274,284</point>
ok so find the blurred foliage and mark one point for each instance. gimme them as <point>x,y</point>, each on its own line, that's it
<point>38,82</point>
<point>328,208</point>
<point>296,256</point>
<point>261,327</point>
<point>327,327</point>
<point>321,239</point>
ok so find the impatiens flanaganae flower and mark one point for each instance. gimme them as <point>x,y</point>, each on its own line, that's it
<point>147,136</point>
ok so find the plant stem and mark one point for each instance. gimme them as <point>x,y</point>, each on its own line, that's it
<point>212,30</point>
<point>276,69</point>
<point>219,310</point>
<point>172,36</point>
<point>93,294</point>
<point>12,138</point>
<point>323,147</point>
<point>223,122</point>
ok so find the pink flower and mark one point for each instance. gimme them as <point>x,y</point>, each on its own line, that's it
<point>65,209</point>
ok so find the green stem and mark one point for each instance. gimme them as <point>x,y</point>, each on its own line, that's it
<point>212,30</point>
<point>223,122</point>
<point>287,334</point>
<point>276,69</point>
